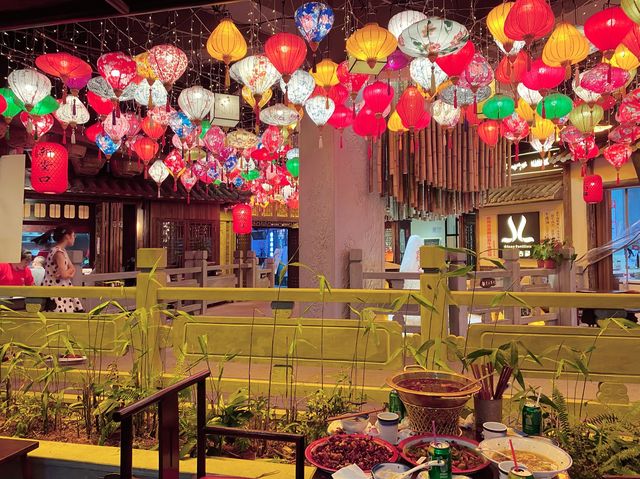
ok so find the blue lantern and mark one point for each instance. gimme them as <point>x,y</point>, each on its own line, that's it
<point>314,21</point>
<point>213,173</point>
<point>231,163</point>
<point>180,124</point>
<point>106,144</point>
<point>238,182</point>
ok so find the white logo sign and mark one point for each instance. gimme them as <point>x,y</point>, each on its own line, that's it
<point>516,233</point>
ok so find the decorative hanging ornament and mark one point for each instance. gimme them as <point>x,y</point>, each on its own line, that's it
<point>102,106</point>
<point>543,129</point>
<point>272,139</point>
<point>242,139</point>
<point>623,58</point>
<point>585,117</point>
<point>72,113</point>
<point>49,168</point>
<point>293,166</point>
<point>456,63</point>
<point>151,95</point>
<point>498,107</point>
<point>107,145</point>
<point>158,173</point>
<point>585,95</point>
<point>432,38</point>
<point>401,21</point>
<point>144,69</point>
<point>341,118</point>
<point>352,81</point>
<point>196,102</point>
<point>617,155</point>
<point>118,69</point>
<point>489,132</point>
<point>77,84</point>
<point>64,66</point>
<point>565,46</point>
<point>592,190</point>
<point>153,129</point>
<point>554,106</point>
<point>29,86</point>
<point>168,63</point>
<point>101,87</point>
<point>314,21</point>
<point>241,216</point>
<point>176,166</point>
<point>478,73</point>
<point>525,111</point>
<point>286,52</point>
<point>180,124</point>
<point>445,115</point>
<point>13,105</point>
<point>607,28</point>
<point>459,97</point>
<point>495,23</point>
<point>394,123</point>
<point>92,132</point>
<point>214,140</point>
<point>604,78</point>
<point>279,115</point>
<point>511,70</point>
<point>45,106</point>
<point>256,73</point>
<point>338,93</point>
<point>515,129</point>
<point>36,126</point>
<point>226,44</point>
<point>118,129</point>
<point>427,74</point>
<point>532,97</point>
<point>371,44</point>
<point>146,149</point>
<point>529,20</point>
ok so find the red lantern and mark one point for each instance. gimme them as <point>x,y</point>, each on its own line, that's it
<point>453,65</point>
<point>592,191</point>
<point>3,104</point>
<point>242,221</point>
<point>102,106</point>
<point>168,62</point>
<point>93,131</point>
<point>489,132</point>
<point>286,52</point>
<point>146,149</point>
<point>632,40</point>
<point>342,118</point>
<point>607,28</point>
<point>353,81</point>
<point>529,20</point>
<point>63,66</point>
<point>49,168</point>
<point>368,124</point>
<point>153,129</point>
<point>543,77</point>
<point>512,69</point>
<point>378,96</point>
<point>118,68</point>
<point>338,93</point>
<point>471,115</point>
<point>411,109</point>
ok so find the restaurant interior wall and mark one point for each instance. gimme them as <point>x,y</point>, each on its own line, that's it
<point>12,172</point>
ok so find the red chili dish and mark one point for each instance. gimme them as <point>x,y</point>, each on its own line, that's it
<point>335,452</point>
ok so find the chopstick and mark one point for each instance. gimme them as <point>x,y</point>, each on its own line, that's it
<point>484,374</point>
<point>354,414</point>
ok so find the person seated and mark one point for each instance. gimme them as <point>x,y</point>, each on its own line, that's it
<point>17,274</point>
<point>37,270</point>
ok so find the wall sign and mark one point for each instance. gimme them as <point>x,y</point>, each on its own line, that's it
<point>519,231</point>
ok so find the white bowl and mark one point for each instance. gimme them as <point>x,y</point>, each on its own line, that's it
<point>355,425</point>
<point>526,444</point>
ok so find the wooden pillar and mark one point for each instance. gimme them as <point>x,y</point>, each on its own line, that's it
<point>567,284</point>
<point>198,259</point>
<point>433,321</point>
<point>238,261</point>
<point>458,315</point>
<point>511,260</point>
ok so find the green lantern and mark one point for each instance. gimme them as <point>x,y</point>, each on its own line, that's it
<point>293,166</point>
<point>554,106</point>
<point>498,107</point>
<point>45,106</point>
<point>205,125</point>
<point>251,175</point>
<point>14,106</point>
<point>217,182</point>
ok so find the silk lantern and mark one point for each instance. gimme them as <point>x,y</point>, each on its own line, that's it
<point>49,168</point>
<point>554,106</point>
<point>529,20</point>
<point>433,37</point>
<point>118,69</point>
<point>319,109</point>
<point>118,129</point>
<point>631,9</point>
<point>495,23</point>
<point>325,74</point>
<point>607,28</point>
<point>445,115</point>
<point>168,62</point>
<point>72,113</point>
<point>378,96</point>
<point>515,128</point>
<point>623,58</point>
<point>286,52</point>
<point>371,44</point>
<point>256,73</point>
<point>226,44</point>
<point>64,66</point>
<point>352,81</point>
<point>314,21</point>
<point>299,87</point>
<point>401,21</point>
<point>107,145</point>
<point>565,46</point>
<point>585,118</point>
<point>341,118</point>
<point>397,61</point>
<point>100,105</point>
<point>36,125</point>
<point>29,86</point>
<point>153,129</point>
<point>146,149</point>
<point>498,107</point>
<point>531,97</point>
<point>93,131</point>
<point>176,165</point>
<point>617,155</point>
<point>242,220</point>
<point>489,132</point>
<point>427,74</point>
<point>188,179</point>
<point>411,110</point>
<point>45,106</point>
<point>543,77</point>
<point>455,63</point>
<point>158,173</point>
<point>339,94</point>
<point>511,70</point>
<point>196,102</point>
<point>592,190</point>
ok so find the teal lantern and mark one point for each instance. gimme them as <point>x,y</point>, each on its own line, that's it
<point>554,106</point>
<point>45,106</point>
<point>498,107</point>
<point>293,166</point>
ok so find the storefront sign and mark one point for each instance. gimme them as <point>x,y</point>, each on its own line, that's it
<point>487,282</point>
<point>519,231</point>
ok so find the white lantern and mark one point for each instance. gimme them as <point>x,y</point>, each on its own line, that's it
<point>195,102</point>
<point>116,127</point>
<point>444,114</point>
<point>299,88</point>
<point>532,97</point>
<point>151,95</point>
<point>255,72</point>
<point>159,172</point>
<point>29,86</point>
<point>101,87</point>
<point>401,21</point>
<point>421,71</point>
<point>319,108</point>
<point>543,147</point>
<point>279,115</point>
<point>72,113</point>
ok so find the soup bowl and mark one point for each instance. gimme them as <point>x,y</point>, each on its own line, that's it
<point>527,445</point>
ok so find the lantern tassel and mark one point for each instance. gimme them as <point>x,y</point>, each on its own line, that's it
<point>73,107</point>
<point>370,149</point>
<point>64,136</point>
<point>73,136</point>
<point>517,151</point>
<point>158,190</point>
<point>146,172</point>
<point>412,146</point>
<point>113,116</point>
<point>175,184</point>
<point>341,130</point>
<point>188,197</point>
<point>617,177</point>
<point>455,97</point>
<point>320,143</point>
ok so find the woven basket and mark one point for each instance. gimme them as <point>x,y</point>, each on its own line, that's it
<point>422,417</point>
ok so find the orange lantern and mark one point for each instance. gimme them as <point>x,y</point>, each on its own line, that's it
<point>226,44</point>
<point>529,20</point>
<point>489,132</point>
<point>566,46</point>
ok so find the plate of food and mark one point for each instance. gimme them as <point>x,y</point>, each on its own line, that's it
<point>542,458</point>
<point>341,450</point>
<point>464,458</point>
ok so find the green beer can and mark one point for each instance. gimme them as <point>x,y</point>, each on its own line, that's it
<point>395,404</point>
<point>440,451</point>
<point>532,419</point>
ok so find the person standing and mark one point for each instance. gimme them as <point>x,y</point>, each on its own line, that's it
<point>17,274</point>
<point>59,270</point>
<point>37,270</point>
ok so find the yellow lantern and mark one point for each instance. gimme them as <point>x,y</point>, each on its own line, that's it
<point>251,100</point>
<point>631,9</point>
<point>226,44</point>
<point>566,46</point>
<point>542,129</point>
<point>623,58</point>
<point>495,24</point>
<point>524,110</point>
<point>325,74</point>
<point>585,118</point>
<point>395,123</point>
<point>144,69</point>
<point>371,44</point>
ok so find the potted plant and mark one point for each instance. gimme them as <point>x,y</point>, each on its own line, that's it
<point>542,253</point>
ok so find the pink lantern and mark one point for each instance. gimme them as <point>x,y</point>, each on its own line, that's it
<point>36,125</point>
<point>397,61</point>
<point>542,77</point>
<point>161,114</point>
<point>583,150</point>
<point>188,180</point>
<point>604,78</point>
<point>617,155</point>
<point>338,93</point>
<point>118,69</point>
<point>176,165</point>
<point>116,129</point>
<point>201,172</point>
<point>168,63</point>
<point>625,133</point>
<point>571,134</point>
<point>272,139</point>
<point>378,96</point>
<point>478,73</point>
<point>214,139</point>
<point>515,128</point>
<point>134,124</point>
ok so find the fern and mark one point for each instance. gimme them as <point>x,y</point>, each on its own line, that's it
<point>562,411</point>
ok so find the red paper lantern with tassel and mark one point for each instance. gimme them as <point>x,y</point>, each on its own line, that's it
<point>102,106</point>
<point>607,28</point>
<point>378,96</point>
<point>617,155</point>
<point>592,190</point>
<point>49,168</point>
<point>342,118</point>
<point>489,132</point>
<point>153,129</point>
<point>512,69</point>
<point>529,20</point>
<point>453,65</point>
<point>286,52</point>
<point>146,149</point>
<point>242,219</point>
<point>93,131</point>
<point>542,77</point>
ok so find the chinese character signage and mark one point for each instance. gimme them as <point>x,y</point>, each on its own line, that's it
<point>519,231</point>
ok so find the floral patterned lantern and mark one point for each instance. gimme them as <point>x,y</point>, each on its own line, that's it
<point>401,21</point>
<point>617,155</point>
<point>341,118</point>
<point>256,73</point>
<point>188,180</point>
<point>151,95</point>
<point>214,140</point>
<point>143,68</point>
<point>101,87</point>
<point>299,88</point>
<point>49,168</point>
<point>433,37</point>
<point>458,96</point>
<point>118,129</point>
<point>226,44</point>
<point>161,115</point>
<point>286,52</point>
<point>445,115</point>
<point>72,113</point>
<point>585,118</point>
<point>181,125</point>
<point>371,44</point>
<point>592,190</point>
<point>352,81</point>
<point>242,139</point>
<point>135,123</point>
<point>29,86</point>
<point>515,129</point>
<point>168,63</point>
<point>585,95</point>
<point>242,220</point>
<point>378,96</point>
<point>529,20</point>
<point>583,149</point>
<point>36,125</point>
<point>118,69</point>
<point>427,74</point>
<point>604,78</point>
<point>196,103</point>
<point>478,73</point>
<point>607,28</point>
<point>272,139</point>
<point>158,173</point>
<point>625,133</point>
<point>176,166</point>
<point>107,145</point>
<point>279,115</point>
<point>319,109</point>
<point>489,132</point>
<point>314,21</point>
